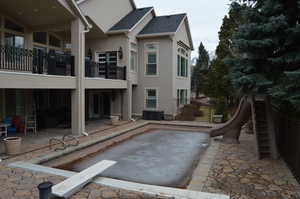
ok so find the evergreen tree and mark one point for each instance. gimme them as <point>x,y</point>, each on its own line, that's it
<point>268,50</point>
<point>218,83</point>
<point>199,70</point>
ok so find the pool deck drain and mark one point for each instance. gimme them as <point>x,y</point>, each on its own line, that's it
<point>130,186</point>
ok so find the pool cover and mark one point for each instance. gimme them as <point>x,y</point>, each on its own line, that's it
<point>160,157</point>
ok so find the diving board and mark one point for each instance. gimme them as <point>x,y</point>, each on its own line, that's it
<point>73,184</point>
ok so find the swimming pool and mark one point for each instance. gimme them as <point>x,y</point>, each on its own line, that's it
<point>156,157</point>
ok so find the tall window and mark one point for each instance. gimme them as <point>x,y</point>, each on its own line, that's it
<point>133,61</point>
<point>182,98</point>
<point>14,40</point>
<point>151,59</point>
<point>182,63</point>
<point>151,99</point>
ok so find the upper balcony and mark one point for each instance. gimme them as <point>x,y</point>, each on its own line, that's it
<point>97,70</point>
<point>13,59</point>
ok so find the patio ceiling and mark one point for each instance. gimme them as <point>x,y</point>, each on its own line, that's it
<point>37,13</point>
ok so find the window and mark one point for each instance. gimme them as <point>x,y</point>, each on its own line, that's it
<point>151,99</point>
<point>40,37</point>
<point>14,40</point>
<point>133,61</point>
<point>151,59</point>
<point>182,63</point>
<point>53,41</point>
<point>182,98</point>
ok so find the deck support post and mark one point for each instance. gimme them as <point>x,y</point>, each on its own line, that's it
<point>127,102</point>
<point>78,95</point>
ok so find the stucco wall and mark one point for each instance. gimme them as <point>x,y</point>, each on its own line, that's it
<point>163,82</point>
<point>181,82</point>
<point>111,43</point>
<point>106,13</point>
<point>133,75</point>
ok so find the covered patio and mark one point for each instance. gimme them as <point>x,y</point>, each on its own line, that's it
<point>32,142</point>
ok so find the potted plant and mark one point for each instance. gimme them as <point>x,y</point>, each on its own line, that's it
<point>12,145</point>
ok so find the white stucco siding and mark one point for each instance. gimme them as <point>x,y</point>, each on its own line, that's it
<point>111,43</point>
<point>132,38</point>
<point>181,82</point>
<point>162,82</point>
<point>106,13</point>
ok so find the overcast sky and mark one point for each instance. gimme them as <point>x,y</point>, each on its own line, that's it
<point>205,17</point>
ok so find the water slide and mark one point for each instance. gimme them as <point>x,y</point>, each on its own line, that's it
<point>231,129</point>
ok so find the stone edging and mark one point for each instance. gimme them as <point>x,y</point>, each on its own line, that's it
<point>55,155</point>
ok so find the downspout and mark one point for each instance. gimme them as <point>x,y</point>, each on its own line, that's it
<point>87,28</point>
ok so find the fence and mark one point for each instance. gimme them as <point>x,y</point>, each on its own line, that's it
<point>35,61</point>
<point>288,140</point>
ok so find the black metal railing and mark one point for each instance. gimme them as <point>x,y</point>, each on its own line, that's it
<point>93,69</point>
<point>36,61</point>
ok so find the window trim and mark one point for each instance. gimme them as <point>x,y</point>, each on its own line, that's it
<point>146,51</point>
<point>185,97</point>
<point>136,60</point>
<point>182,53</point>
<point>146,97</point>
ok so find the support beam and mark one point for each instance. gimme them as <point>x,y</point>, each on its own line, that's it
<point>78,95</point>
<point>127,102</point>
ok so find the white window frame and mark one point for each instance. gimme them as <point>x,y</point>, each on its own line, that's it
<point>135,69</point>
<point>146,97</point>
<point>182,101</point>
<point>182,53</point>
<point>147,51</point>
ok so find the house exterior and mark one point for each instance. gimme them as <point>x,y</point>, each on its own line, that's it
<point>90,60</point>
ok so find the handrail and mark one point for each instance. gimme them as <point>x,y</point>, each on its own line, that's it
<point>94,69</point>
<point>35,61</point>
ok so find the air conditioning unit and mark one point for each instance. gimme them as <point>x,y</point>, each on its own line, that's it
<point>153,115</point>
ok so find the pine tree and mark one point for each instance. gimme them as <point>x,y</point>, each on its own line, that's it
<point>199,70</point>
<point>218,82</point>
<point>267,46</point>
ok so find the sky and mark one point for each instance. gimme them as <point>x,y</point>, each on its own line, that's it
<point>205,17</point>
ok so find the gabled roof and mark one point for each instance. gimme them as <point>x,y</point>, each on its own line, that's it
<point>131,1</point>
<point>163,24</point>
<point>130,20</point>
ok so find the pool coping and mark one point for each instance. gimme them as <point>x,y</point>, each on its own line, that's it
<point>33,165</point>
<point>125,185</point>
<point>45,158</point>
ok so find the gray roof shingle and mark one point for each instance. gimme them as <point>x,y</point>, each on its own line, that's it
<point>130,20</point>
<point>163,24</point>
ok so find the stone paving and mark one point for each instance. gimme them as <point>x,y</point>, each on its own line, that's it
<point>22,184</point>
<point>237,172</point>
<point>233,170</point>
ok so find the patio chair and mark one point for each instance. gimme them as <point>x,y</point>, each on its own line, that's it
<point>30,124</point>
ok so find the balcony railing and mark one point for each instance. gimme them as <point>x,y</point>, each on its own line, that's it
<point>34,61</point>
<point>93,69</point>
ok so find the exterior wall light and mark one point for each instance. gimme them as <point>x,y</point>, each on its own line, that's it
<point>120,52</point>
